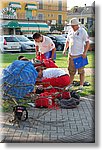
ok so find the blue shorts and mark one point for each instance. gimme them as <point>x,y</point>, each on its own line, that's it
<point>49,54</point>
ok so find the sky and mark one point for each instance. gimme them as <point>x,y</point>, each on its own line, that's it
<point>81,3</point>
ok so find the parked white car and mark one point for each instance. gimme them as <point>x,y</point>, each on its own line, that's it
<point>29,36</point>
<point>9,43</point>
<point>26,44</point>
<point>1,43</point>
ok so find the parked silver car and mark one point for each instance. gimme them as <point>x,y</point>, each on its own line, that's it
<point>9,43</point>
<point>26,44</point>
<point>29,36</point>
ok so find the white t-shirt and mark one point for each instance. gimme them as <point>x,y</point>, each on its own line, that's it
<point>77,41</point>
<point>45,46</point>
<point>53,73</point>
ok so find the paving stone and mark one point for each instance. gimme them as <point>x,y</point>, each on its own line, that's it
<point>63,125</point>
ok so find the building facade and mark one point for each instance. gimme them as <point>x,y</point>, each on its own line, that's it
<point>53,11</point>
<point>28,12</point>
<point>85,15</point>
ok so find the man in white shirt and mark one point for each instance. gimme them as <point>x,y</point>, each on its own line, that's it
<point>53,76</point>
<point>45,48</point>
<point>78,43</point>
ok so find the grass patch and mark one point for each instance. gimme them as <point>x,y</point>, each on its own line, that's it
<point>88,90</point>
<point>7,105</point>
<point>7,59</point>
<point>61,61</point>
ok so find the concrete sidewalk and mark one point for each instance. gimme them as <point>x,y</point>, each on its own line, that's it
<point>88,71</point>
<point>62,125</point>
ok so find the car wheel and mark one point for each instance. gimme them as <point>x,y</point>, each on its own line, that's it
<point>59,47</point>
<point>2,51</point>
<point>22,49</point>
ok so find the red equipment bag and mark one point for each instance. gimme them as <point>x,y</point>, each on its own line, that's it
<point>49,63</point>
<point>66,95</point>
<point>44,100</point>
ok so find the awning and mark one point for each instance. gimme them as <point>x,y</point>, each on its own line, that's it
<point>28,27</point>
<point>30,24</point>
<point>15,5</point>
<point>11,24</point>
<point>31,7</point>
<point>34,27</point>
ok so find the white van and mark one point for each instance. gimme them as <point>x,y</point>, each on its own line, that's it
<point>9,43</point>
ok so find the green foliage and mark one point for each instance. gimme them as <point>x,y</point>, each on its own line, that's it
<point>58,27</point>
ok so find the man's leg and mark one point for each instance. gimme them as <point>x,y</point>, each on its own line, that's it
<point>81,72</point>
<point>71,69</point>
<point>82,77</point>
<point>71,78</point>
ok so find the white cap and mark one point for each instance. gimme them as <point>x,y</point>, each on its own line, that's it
<point>74,21</point>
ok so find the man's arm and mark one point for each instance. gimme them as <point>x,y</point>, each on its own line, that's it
<point>53,52</point>
<point>37,50</point>
<point>66,47</point>
<point>86,49</point>
<point>52,47</point>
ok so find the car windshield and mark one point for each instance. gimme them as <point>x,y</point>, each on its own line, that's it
<point>60,38</point>
<point>22,39</point>
<point>1,38</point>
<point>11,39</point>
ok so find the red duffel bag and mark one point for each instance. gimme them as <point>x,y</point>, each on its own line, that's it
<point>49,63</point>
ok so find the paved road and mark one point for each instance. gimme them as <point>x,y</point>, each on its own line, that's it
<point>62,125</point>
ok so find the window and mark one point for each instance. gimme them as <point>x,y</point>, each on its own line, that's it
<point>11,39</point>
<point>22,39</point>
<point>40,16</point>
<point>40,4</point>
<point>60,5</point>
<point>90,21</point>
<point>59,19</point>
<point>52,15</point>
<point>82,20</point>
<point>29,14</point>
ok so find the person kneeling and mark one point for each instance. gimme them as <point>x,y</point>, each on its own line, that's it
<point>55,77</point>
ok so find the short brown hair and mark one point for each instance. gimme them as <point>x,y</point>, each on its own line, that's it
<point>20,57</point>
<point>36,35</point>
<point>39,68</point>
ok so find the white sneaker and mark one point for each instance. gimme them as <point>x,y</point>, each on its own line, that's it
<point>81,87</point>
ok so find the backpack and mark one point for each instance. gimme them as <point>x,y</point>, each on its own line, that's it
<point>74,94</point>
<point>69,103</point>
